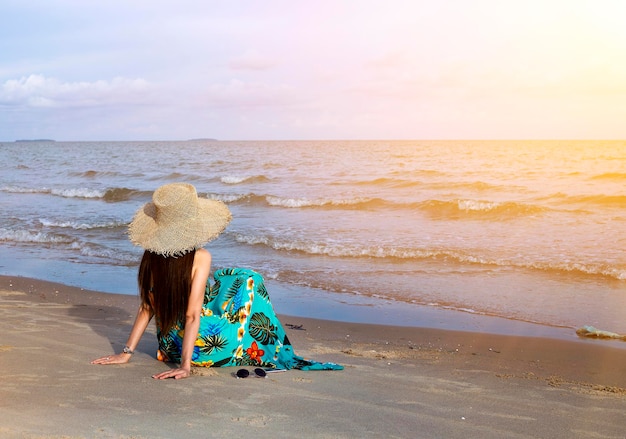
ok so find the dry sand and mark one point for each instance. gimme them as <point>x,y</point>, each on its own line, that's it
<point>398,382</point>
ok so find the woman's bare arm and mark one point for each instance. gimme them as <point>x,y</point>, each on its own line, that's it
<point>144,315</point>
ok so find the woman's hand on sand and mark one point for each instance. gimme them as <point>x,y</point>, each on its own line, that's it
<point>173,373</point>
<point>120,358</point>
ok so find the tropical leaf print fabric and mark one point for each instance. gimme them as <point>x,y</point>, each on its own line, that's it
<point>238,327</point>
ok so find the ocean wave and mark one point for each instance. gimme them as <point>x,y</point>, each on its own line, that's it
<point>288,202</point>
<point>478,209</point>
<point>615,176</point>
<point>451,209</point>
<point>66,193</point>
<point>400,183</point>
<point>93,174</point>
<point>118,194</point>
<point>76,225</point>
<point>348,250</point>
<point>586,201</point>
<point>594,269</point>
<point>78,193</point>
<point>178,176</point>
<point>388,182</point>
<point>170,176</point>
<point>60,242</point>
<point>105,254</point>
<point>479,186</point>
<point>24,190</point>
<point>322,202</point>
<point>232,179</point>
<point>28,236</point>
<point>618,201</point>
<point>109,195</point>
<point>231,198</point>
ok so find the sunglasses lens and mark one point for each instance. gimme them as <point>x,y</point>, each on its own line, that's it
<point>242,373</point>
<point>260,372</point>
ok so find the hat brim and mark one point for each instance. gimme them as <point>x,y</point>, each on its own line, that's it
<point>182,236</point>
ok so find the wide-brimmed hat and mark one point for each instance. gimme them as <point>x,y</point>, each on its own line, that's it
<point>177,221</point>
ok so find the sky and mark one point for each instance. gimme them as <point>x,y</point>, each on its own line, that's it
<point>324,69</point>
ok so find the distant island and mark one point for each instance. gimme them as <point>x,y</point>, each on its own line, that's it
<point>35,140</point>
<point>202,140</point>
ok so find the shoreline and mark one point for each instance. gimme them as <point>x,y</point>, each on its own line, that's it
<point>290,301</point>
<point>305,300</point>
<point>398,381</point>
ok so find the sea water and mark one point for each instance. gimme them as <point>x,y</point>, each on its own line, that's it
<point>530,231</point>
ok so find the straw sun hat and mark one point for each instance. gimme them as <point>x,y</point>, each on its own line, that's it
<point>177,221</point>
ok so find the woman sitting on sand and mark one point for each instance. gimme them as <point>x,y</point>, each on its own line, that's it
<point>231,323</point>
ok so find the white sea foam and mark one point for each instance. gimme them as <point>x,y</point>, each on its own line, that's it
<point>27,236</point>
<point>238,179</point>
<point>67,193</point>
<point>477,205</point>
<point>227,198</point>
<point>80,225</point>
<point>292,202</point>
<point>78,193</point>
<point>307,202</point>
<point>233,180</point>
<point>24,190</point>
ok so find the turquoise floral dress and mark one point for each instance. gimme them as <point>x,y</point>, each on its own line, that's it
<point>238,327</point>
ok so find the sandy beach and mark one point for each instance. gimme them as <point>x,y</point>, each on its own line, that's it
<point>398,382</point>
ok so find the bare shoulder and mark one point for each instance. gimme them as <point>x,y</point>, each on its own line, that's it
<point>202,257</point>
<point>201,266</point>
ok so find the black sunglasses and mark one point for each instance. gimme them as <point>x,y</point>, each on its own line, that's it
<point>245,373</point>
<point>260,373</point>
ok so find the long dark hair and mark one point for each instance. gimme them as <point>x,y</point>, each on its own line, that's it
<point>164,284</point>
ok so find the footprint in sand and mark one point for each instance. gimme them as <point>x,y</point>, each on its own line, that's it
<point>302,380</point>
<point>255,421</point>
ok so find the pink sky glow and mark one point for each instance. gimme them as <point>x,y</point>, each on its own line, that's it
<point>360,69</point>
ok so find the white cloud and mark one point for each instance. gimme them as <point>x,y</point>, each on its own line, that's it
<point>38,91</point>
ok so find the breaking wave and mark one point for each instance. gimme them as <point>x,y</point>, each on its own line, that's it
<point>477,209</point>
<point>123,194</point>
<point>97,174</point>
<point>288,202</point>
<point>109,195</point>
<point>96,252</point>
<point>344,250</point>
<point>77,225</point>
<point>27,236</point>
<point>232,179</point>
<point>615,176</point>
<point>452,209</point>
